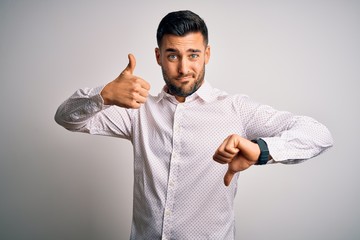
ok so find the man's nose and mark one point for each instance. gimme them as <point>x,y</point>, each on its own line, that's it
<point>183,67</point>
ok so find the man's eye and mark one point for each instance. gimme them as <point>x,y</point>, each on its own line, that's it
<point>172,57</point>
<point>194,56</point>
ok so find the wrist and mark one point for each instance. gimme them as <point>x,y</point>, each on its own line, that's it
<point>105,94</point>
<point>264,151</point>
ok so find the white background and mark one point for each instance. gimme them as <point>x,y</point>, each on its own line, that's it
<point>300,56</point>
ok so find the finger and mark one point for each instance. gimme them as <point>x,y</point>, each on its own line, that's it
<point>230,149</point>
<point>226,154</point>
<point>134,105</point>
<point>232,144</point>
<point>131,65</point>
<point>143,92</point>
<point>223,154</point>
<point>228,177</point>
<point>220,159</point>
<point>140,99</point>
<point>230,152</point>
<point>221,148</point>
<point>145,84</point>
<point>229,146</point>
<point>223,157</point>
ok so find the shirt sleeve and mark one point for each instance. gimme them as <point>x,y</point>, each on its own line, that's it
<point>85,112</point>
<point>290,138</point>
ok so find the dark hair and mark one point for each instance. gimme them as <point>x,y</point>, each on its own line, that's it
<point>181,23</point>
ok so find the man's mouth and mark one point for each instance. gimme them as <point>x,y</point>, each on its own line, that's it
<point>184,78</point>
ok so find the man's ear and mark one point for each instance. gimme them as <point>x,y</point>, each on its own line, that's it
<point>207,54</point>
<point>157,55</point>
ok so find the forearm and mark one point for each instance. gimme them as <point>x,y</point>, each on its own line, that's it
<point>303,139</point>
<point>290,138</point>
<point>76,111</point>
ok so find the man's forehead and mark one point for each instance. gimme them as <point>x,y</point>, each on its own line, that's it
<point>189,41</point>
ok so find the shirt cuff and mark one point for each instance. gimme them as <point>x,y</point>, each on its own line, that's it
<point>280,152</point>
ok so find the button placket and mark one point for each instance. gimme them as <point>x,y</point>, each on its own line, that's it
<point>173,172</point>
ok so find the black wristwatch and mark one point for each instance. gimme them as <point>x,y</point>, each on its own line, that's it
<point>264,151</point>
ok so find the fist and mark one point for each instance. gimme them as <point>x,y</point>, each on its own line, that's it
<point>127,90</point>
<point>239,153</point>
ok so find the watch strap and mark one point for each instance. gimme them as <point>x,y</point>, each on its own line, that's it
<point>264,151</point>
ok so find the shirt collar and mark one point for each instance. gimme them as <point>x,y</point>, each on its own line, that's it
<point>204,92</point>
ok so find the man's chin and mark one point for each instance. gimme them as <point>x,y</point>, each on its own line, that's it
<point>183,88</point>
<point>180,90</point>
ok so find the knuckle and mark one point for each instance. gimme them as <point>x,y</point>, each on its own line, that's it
<point>227,160</point>
<point>133,83</point>
<point>137,81</point>
<point>134,104</point>
<point>133,95</point>
<point>228,149</point>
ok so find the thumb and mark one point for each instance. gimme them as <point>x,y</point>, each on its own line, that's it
<point>228,176</point>
<point>131,66</point>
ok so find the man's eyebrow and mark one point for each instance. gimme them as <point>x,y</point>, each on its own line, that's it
<point>189,50</point>
<point>194,50</point>
<point>171,50</point>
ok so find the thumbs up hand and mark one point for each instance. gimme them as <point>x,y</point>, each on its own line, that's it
<point>239,153</point>
<point>131,65</point>
<point>127,90</point>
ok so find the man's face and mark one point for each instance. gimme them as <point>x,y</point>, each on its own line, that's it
<point>182,61</point>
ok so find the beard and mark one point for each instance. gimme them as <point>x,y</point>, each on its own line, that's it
<point>183,91</point>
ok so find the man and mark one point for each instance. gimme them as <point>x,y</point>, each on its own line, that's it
<point>178,188</point>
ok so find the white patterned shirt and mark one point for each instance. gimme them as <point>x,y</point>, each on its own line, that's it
<point>178,188</point>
